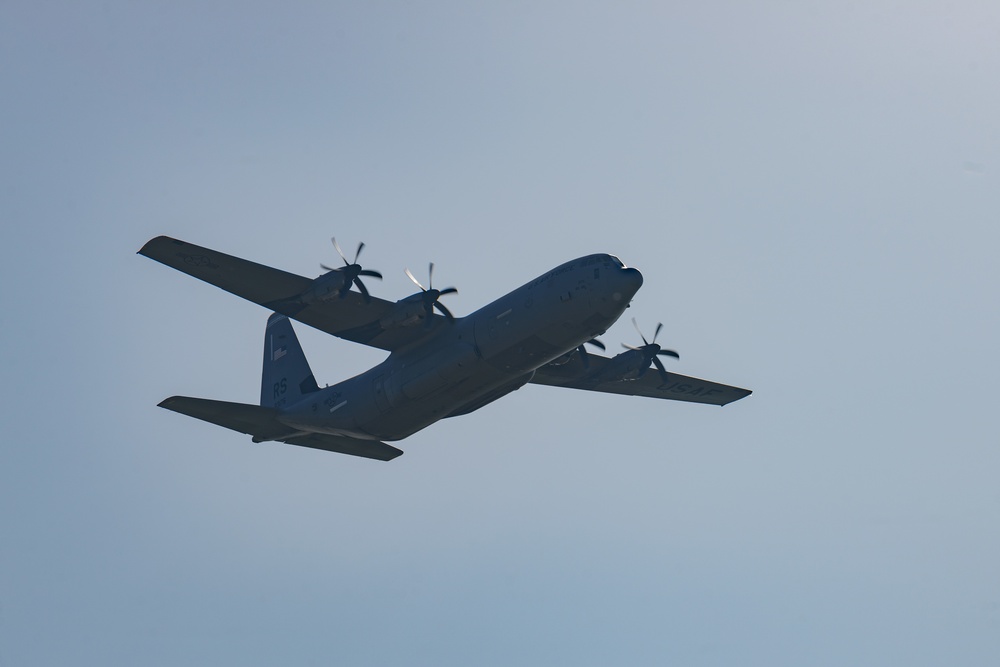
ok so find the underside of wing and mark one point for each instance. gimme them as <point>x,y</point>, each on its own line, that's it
<point>263,425</point>
<point>598,375</point>
<point>351,316</point>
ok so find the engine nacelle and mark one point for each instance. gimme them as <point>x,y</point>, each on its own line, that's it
<point>623,367</point>
<point>407,312</point>
<point>325,288</point>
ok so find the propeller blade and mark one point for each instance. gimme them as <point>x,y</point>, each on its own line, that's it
<point>431,295</point>
<point>444,311</point>
<point>636,325</point>
<point>364,292</point>
<point>415,281</point>
<point>659,367</point>
<point>651,349</point>
<point>352,271</point>
<point>339,251</point>
<point>428,312</point>
<point>584,355</point>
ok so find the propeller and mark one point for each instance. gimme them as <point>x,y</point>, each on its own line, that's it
<point>431,295</point>
<point>584,356</point>
<point>651,352</point>
<point>352,271</point>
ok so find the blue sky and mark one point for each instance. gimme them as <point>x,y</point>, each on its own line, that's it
<point>810,191</point>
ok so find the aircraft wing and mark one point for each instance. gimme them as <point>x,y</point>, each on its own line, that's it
<point>575,375</point>
<point>351,317</point>
<point>262,424</point>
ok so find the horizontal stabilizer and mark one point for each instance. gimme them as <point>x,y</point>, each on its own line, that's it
<point>262,423</point>
<point>342,444</point>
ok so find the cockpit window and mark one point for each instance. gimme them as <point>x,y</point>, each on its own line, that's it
<point>617,261</point>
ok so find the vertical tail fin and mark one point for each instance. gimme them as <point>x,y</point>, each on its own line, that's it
<point>286,377</point>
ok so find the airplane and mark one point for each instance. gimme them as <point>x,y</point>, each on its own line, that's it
<point>439,365</point>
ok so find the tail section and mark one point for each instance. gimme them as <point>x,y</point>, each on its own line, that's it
<point>286,377</point>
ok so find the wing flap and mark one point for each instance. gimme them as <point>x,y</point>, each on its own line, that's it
<point>677,387</point>
<point>262,423</point>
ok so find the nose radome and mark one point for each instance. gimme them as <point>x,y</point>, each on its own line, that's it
<point>627,284</point>
<point>633,279</point>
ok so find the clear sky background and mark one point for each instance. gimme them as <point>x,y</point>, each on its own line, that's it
<point>811,190</point>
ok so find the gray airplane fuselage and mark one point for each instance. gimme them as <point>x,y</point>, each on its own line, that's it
<point>463,365</point>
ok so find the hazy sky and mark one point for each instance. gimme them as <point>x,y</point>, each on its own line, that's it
<point>811,190</point>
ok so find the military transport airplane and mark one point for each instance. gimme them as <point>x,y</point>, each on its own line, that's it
<point>439,365</point>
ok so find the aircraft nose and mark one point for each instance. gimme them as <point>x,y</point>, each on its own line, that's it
<point>626,285</point>
<point>632,280</point>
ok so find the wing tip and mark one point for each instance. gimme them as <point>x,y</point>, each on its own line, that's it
<point>393,455</point>
<point>149,246</point>
<point>169,402</point>
<point>741,393</point>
